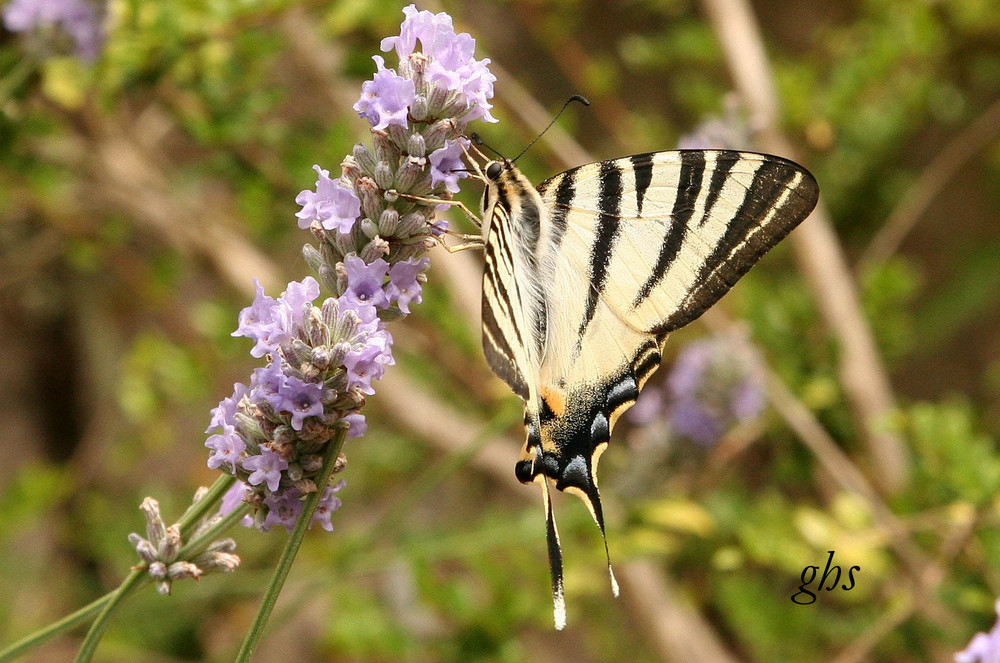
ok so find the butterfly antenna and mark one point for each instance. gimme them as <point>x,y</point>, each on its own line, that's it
<point>575,97</point>
<point>478,141</point>
<point>555,558</point>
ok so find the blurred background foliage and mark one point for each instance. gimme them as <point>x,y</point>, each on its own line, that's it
<point>141,193</point>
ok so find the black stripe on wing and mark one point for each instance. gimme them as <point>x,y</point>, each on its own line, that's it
<point>608,224</point>
<point>781,195</point>
<point>688,189</point>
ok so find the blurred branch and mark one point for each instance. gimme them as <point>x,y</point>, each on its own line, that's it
<point>914,203</point>
<point>820,256</point>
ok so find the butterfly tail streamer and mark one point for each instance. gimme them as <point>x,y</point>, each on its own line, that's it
<point>555,558</point>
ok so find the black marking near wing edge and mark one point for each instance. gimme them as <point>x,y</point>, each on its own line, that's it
<point>744,241</point>
<point>688,189</point>
<point>609,206</point>
<point>642,167</point>
<point>565,193</point>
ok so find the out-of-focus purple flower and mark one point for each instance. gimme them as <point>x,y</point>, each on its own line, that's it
<point>79,19</point>
<point>233,498</point>
<point>364,281</point>
<point>302,399</point>
<point>404,287</point>
<point>984,647</point>
<point>265,468</point>
<point>357,424</point>
<point>226,448</point>
<point>332,204</point>
<point>447,165</point>
<point>385,99</point>
<point>714,384</point>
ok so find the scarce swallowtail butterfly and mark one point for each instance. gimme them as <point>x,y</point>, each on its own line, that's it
<point>586,275</point>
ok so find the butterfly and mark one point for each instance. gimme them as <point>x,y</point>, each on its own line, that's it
<point>587,273</point>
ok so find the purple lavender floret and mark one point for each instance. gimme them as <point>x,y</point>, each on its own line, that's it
<point>301,399</point>
<point>404,287</point>
<point>265,468</point>
<point>364,281</point>
<point>333,204</point>
<point>445,163</point>
<point>386,99</point>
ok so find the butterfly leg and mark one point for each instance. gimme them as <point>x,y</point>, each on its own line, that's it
<point>455,203</point>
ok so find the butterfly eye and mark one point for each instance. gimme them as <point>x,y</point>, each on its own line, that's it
<point>493,170</point>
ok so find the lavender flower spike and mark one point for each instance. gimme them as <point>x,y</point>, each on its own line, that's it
<point>373,224</point>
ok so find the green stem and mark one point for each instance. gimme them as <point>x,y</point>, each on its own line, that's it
<point>133,581</point>
<point>291,548</point>
<point>208,502</point>
<point>67,623</point>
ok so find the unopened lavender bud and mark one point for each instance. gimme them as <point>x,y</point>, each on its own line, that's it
<point>411,224</point>
<point>419,108</point>
<point>375,249</point>
<point>170,544</point>
<point>388,223</point>
<point>306,486</point>
<point>226,545</point>
<point>340,464</point>
<point>314,258</point>
<point>145,549</point>
<point>347,325</point>
<point>223,562</point>
<point>338,353</point>
<point>365,159</point>
<point>416,146</point>
<point>369,229</point>
<point>331,311</point>
<point>341,278</point>
<point>383,175</point>
<point>183,570</point>
<point>155,529</point>
<point>299,353</point>
<point>399,135</point>
<point>282,437</point>
<point>385,149</point>
<point>320,357</point>
<point>249,429</point>
<point>437,133</point>
<point>342,244</point>
<point>158,571</point>
<point>311,463</point>
<point>294,471</point>
<point>408,175</point>
<point>329,253</point>
<point>350,170</point>
<point>372,202</point>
